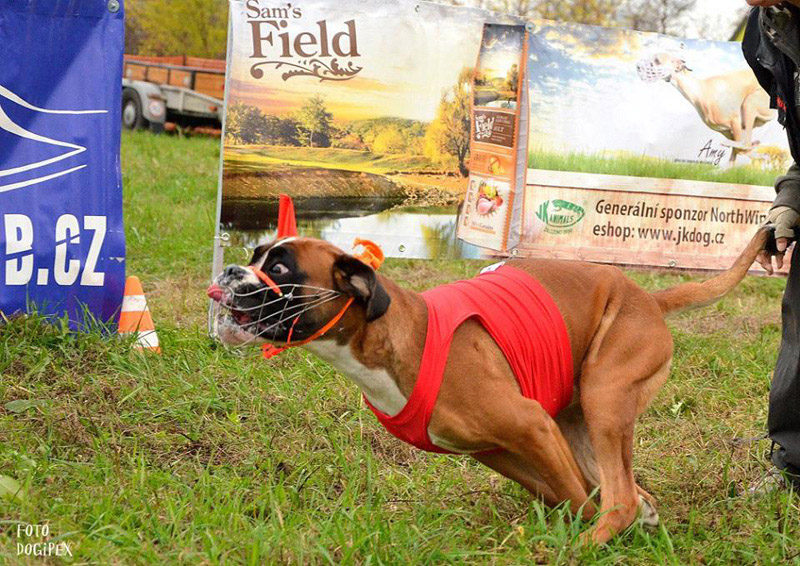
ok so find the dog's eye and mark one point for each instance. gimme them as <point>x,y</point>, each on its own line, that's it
<point>278,269</point>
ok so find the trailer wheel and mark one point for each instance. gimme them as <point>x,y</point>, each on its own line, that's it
<point>132,111</point>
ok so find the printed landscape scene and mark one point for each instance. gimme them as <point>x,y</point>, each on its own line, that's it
<point>497,73</point>
<point>381,155</point>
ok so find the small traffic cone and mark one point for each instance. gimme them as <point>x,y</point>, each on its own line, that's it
<point>135,317</point>
<point>287,224</point>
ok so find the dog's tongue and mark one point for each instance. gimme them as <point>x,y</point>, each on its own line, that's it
<point>215,292</point>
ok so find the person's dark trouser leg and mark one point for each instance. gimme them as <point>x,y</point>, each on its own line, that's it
<point>784,397</point>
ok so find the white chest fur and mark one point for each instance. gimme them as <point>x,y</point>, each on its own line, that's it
<point>377,384</point>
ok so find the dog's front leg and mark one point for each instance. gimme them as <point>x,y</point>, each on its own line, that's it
<point>537,456</point>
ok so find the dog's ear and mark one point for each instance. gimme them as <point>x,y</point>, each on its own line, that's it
<point>355,278</point>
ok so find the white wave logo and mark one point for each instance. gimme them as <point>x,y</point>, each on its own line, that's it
<point>8,125</point>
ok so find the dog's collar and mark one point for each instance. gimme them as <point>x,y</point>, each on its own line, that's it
<point>372,256</point>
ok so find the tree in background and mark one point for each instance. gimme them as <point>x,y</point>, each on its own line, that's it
<point>662,16</point>
<point>448,134</point>
<point>597,12</point>
<point>390,140</point>
<point>197,28</point>
<point>315,119</point>
<point>281,131</point>
<point>665,16</point>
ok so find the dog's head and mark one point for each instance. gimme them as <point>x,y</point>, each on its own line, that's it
<point>661,66</point>
<point>313,280</point>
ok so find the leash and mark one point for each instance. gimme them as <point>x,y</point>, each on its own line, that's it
<point>372,256</point>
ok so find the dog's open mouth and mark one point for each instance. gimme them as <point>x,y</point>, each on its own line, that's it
<point>227,312</point>
<point>251,320</point>
<point>244,316</point>
<point>241,318</point>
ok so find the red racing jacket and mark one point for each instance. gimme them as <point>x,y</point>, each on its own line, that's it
<point>523,320</point>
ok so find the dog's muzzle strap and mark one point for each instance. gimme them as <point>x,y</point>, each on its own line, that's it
<point>266,280</point>
<point>270,351</point>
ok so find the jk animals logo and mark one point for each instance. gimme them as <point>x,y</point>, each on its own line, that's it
<point>327,51</point>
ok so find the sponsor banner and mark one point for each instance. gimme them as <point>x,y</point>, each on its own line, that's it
<point>492,213</point>
<point>366,114</point>
<point>613,219</point>
<point>62,245</point>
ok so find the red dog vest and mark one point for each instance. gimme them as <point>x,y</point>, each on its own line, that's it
<point>523,320</point>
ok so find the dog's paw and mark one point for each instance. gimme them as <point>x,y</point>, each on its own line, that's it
<point>648,516</point>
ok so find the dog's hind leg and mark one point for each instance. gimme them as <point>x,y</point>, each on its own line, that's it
<point>647,508</point>
<point>620,376</point>
<point>743,130</point>
<point>573,426</point>
<point>536,456</point>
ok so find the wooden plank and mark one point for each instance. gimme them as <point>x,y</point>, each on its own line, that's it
<point>180,78</point>
<point>212,85</point>
<point>200,63</point>
<point>649,185</point>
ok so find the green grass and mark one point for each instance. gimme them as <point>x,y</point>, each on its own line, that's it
<point>209,456</point>
<point>246,159</point>
<point>644,166</point>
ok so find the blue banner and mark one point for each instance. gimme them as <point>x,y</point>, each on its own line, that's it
<point>62,246</point>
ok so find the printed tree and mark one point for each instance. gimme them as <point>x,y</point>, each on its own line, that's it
<point>512,78</point>
<point>315,119</point>
<point>244,124</point>
<point>448,134</point>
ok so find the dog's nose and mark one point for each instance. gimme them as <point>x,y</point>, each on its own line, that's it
<point>233,272</point>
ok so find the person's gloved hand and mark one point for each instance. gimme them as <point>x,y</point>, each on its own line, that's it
<point>785,219</point>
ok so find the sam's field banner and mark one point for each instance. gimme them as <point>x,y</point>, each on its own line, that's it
<point>641,148</point>
<point>62,246</point>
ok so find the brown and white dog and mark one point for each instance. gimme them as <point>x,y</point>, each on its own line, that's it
<point>378,343</point>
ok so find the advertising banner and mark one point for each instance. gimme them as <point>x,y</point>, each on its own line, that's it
<point>491,216</point>
<point>640,221</point>
<point>360,111</point>
<point>645,149</point>
<point>363,113</point>
<point>62,245</point>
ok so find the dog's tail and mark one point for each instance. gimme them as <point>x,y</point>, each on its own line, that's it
<point>694,294</point>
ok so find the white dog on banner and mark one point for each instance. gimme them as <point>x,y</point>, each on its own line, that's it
<point>733,103</point>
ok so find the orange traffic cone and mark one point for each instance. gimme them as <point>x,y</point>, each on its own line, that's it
<point>135,317</point>
<point>287,224</point>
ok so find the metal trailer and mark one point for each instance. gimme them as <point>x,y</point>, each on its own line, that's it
<point>155,91</point>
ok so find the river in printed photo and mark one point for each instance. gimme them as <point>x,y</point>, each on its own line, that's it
<point>401,230</point>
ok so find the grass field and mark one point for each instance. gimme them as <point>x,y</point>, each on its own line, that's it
<point>644,166</point>
<point>246,159</point>
<point>208,456</point>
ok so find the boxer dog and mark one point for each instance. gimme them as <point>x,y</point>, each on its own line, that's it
<point>621,353</point>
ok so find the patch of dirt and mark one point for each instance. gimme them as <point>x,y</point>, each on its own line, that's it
<point>389,449</point>
<point>307,182</point>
